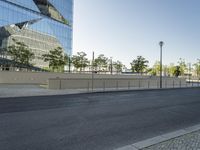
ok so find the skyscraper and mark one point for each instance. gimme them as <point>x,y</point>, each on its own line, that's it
<point>41,24</point>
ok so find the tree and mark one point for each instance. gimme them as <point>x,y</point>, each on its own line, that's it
<point>80,61</point>
<point>139,65</point>
<point>197,67</point>
<point>155,70</point>
<point>165,70</point>
<point>101,62</point>
<point>177,71</point>
<point>20,53</point>
<point>118,66</point>
<point>172,69</point>
<point>182,65</point>
<point>56,58</point>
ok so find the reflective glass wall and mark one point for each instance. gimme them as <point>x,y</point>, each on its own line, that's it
<point>41,24</point>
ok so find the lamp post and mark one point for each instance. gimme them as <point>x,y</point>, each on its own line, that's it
<point>92,71</point>
<point>111,65</point>
<point>161,43</point>
<point>69,63</point>
<point>189,72</point>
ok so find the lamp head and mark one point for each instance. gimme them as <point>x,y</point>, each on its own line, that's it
<point>161,43</point>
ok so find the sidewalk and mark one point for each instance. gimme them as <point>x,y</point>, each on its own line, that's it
<point>189,141</point>
<point>184,139</point>
<point>9,90</point>
<point>24,90</point>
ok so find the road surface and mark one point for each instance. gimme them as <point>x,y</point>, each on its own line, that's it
<point>99,121</point>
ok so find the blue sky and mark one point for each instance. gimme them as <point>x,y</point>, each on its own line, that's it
<point>124,29</point>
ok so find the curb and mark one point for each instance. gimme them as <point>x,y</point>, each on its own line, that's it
<point>159,139</point>
<point>143,89</point>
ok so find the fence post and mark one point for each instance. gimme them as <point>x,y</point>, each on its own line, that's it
<point>173,83</point>
<point>104,85</point>
<point>157,84</point>
<point>139,84</point>
<point>165,83</point>
<point>117,85</point>
<point>60,84</point>
<point>148,84</point>
<point>88,86</point>
<point>180,83</point>
<point>129,85</point>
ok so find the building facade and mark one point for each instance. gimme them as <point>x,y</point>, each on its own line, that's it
<point>42,25</point>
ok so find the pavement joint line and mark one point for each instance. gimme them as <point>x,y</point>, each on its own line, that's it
<point>161,138</point>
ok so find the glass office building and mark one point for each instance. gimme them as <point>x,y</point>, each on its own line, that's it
<point>41,24</point>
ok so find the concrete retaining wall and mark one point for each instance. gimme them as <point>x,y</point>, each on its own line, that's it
<point>83,81</point>
<point>10,77</point>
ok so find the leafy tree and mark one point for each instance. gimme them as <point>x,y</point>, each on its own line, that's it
<point>20,52</point>
<point>151,71</point>
<point>172,69</point>
<point>80,61</point>
<point>56,58</point>
<point>118,66</point>
<point>168,70</point>
<point>155,70</point>
<point>101,62</point>
<point>182,65</point>
<point>139,65</point>
<point>165,70</point>
<point>197,67</point>
<point>177,71</point>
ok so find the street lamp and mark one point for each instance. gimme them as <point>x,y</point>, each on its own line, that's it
<point>111,65</point>
<point>69,63</point>
<point>189,72</point>
<point>92,71</point>
<point>161,43</point>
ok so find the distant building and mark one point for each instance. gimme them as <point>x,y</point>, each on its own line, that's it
<point>41,24</point>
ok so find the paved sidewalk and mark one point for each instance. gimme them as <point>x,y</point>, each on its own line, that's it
<point>24,90</point>
<point>189,141</point>
<point>184,139</point>
<point>9,90</point>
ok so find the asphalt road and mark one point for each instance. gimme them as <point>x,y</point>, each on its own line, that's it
<point>100,121</point>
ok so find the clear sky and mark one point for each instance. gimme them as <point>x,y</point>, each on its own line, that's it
<point>124,29</point>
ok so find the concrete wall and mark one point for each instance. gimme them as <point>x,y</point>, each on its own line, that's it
<point>42,77</point>
<point>83,81</point>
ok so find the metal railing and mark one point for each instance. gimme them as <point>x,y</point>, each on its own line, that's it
<point>119,84</point>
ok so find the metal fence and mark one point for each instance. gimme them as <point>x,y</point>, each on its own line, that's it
<point>90,85</point>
